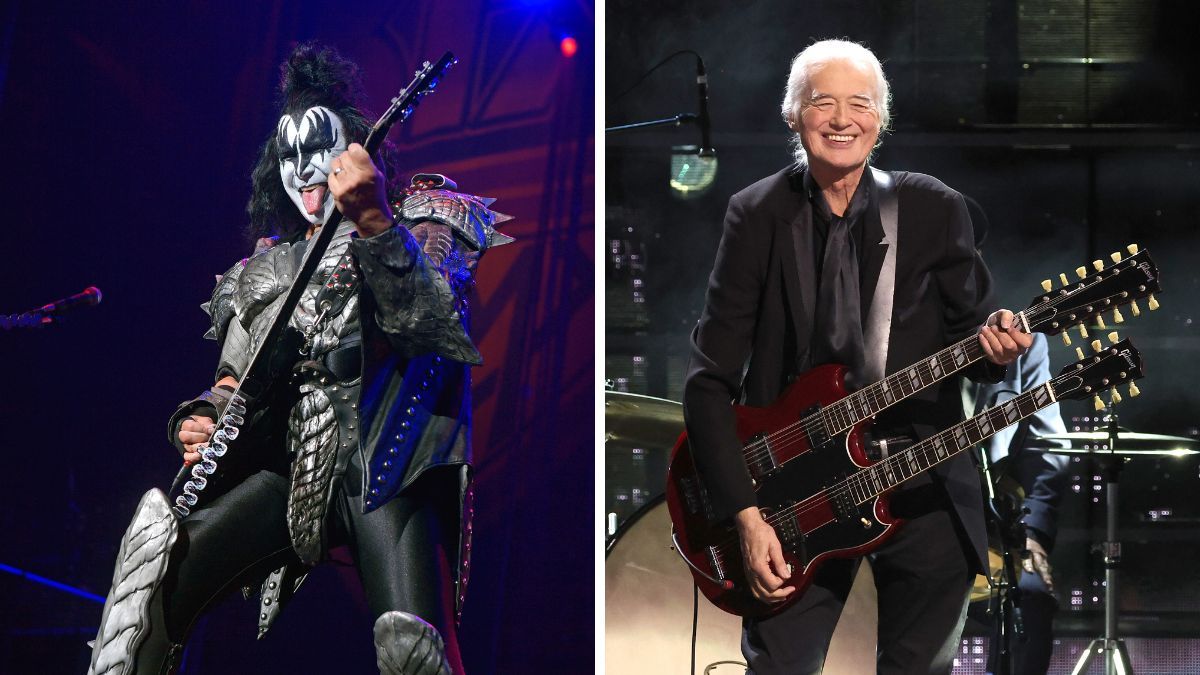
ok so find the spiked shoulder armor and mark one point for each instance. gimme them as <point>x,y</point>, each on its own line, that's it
<point>431,196</point>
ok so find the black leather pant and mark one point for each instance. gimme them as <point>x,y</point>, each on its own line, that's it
<point>403,550</point>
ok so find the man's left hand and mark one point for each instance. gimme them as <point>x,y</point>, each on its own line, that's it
<point>1039,562</point>
<point>360,191</point>
<point>1001,340</point>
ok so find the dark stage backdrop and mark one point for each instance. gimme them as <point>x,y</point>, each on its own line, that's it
<point>130,130</point>
<point>1076,126</point>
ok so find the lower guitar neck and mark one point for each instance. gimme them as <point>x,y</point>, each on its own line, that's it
<point>895,469</point>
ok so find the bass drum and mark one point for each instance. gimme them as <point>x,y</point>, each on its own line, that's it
<point>648,606</point>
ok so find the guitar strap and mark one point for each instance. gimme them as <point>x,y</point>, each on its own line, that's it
<point>879,321</point>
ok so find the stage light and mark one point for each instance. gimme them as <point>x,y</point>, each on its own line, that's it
<point>692,171</point>
<point>568,46</point>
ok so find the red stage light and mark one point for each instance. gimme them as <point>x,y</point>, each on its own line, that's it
<point>568,47</point>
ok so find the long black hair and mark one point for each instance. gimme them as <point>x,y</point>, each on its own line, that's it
<point>312,75</point>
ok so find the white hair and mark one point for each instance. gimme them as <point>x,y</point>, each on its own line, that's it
<point>812,59</point>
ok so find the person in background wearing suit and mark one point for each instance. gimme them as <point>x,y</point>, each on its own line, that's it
<point>802,259</point>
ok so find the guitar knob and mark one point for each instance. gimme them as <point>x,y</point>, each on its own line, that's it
<point>1047,285</point>
<point>1132,248</point>
<point>1153,303</point>
<point>1098,264</point>
<point>1115,256</point>
<point>865,523</point>
<point>1117,318</point>
<point>1112,337</point>
<point>1133,390</point>
<point>1081,271</point>
<point>1066,338</point>
<point>1137,311</point>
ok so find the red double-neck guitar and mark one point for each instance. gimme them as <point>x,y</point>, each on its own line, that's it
<point>812,478</point>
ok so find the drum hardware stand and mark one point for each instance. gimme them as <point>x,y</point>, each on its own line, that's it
<point>1109,647</point>
<point>1007,602</point>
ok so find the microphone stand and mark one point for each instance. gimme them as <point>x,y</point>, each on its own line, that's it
<point>1006,605</point>
<point>675,121</point>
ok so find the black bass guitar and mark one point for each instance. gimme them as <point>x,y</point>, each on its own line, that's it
<point>271,363</point>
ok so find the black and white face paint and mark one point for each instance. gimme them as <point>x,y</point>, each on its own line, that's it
<point>307,145</point>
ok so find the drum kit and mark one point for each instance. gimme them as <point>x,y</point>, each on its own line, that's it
<point>654,620</point>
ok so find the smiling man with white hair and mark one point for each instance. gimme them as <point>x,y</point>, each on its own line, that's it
<point>832,261</point>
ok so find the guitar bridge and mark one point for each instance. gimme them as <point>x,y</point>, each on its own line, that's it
<point>715,561</point>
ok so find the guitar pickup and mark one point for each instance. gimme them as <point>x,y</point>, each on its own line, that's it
<point>791,537</point>
<point>815,432</point>
<point>844,508</point>
<point>761,460</point>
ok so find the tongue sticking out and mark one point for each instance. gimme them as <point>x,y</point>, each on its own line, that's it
<point>314,199</point>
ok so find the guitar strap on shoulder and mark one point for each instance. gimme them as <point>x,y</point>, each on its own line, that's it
<point>879,321</point>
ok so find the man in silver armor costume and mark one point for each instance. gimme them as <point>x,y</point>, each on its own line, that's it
<point>376,453</point>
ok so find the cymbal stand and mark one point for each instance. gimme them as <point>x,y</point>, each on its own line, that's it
<point>1109,647</point>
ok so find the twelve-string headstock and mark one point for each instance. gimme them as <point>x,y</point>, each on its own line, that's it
<point>1104,289</point>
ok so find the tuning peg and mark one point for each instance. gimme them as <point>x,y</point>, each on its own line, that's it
<point>1132,248</point>
<point>1116,396</point>
<point>1083,331</point>
<point>1097,345</point>
<point>1063,278</point>
<point>1097,403</point>
<point>1079,353</point>
<point>1153,303</point>
<point>1066,338</point>
<point>1100,322</point>
<point>1117,317</point>
<point>1081,271</point>
<point>1133,389</point>
<point>1137,311</point>
<point>1098,264</point>
<point>1112,337</point>
<point>1047,285</point>
<point>1116,256</point>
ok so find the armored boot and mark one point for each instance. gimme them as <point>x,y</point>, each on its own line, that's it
<point>407,645</point>
<point>133,636</point>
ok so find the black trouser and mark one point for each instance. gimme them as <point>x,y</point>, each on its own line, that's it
<point>402,550</point>
<point>922,578</point>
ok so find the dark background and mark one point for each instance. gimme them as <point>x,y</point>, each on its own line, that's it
<point>1074,123</point>
<point>130,131</point>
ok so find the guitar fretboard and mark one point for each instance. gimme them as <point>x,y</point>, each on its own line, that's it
<point>871,400</point>
<point>875,480</point>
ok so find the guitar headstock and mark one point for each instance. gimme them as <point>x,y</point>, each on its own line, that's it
<point>1117,364</point>
<point>1104,289</point>
<point>424,81</point>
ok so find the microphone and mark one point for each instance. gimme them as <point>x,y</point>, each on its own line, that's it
<point>86,298</point>
<point>706,148</point>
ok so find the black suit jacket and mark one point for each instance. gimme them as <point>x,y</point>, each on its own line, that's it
<point>754,334</point>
